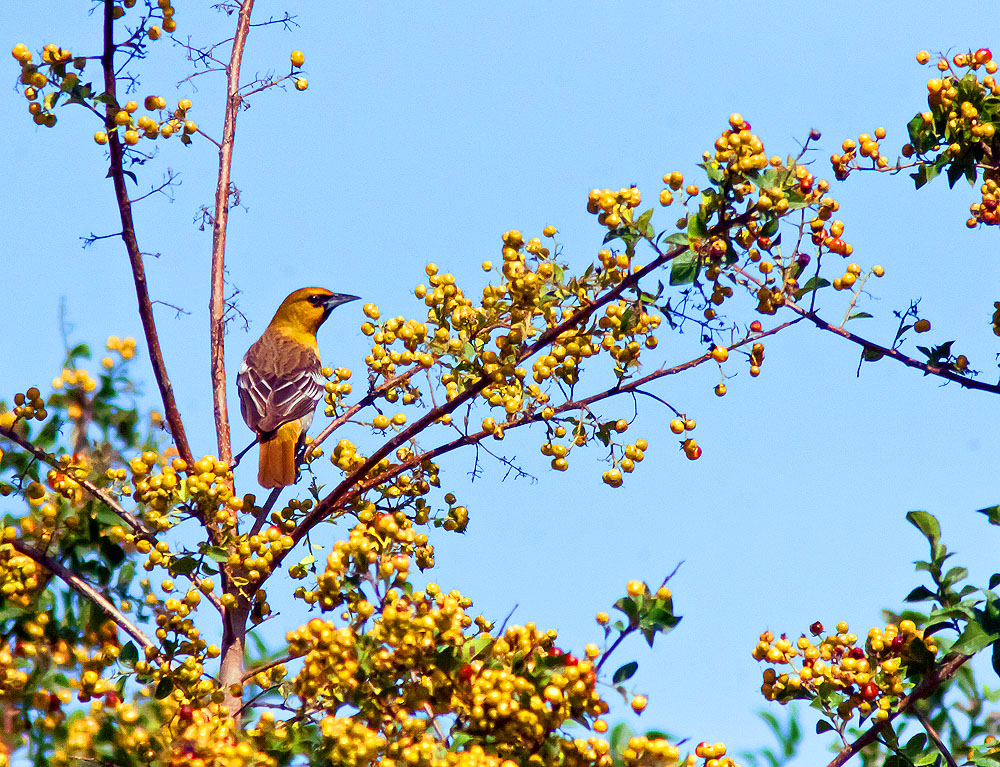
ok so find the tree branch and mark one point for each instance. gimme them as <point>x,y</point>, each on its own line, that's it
<point>965,381</point>
<point>948,668</point>
<point>217,299</point>
<point>132,246</point>
<point>234,618</point>
<point>97,492</point>
<point>84,588</point>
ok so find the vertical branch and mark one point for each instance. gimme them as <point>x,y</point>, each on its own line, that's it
<point>217,300</point>
<point>132,246</point>
<point>234,618</point>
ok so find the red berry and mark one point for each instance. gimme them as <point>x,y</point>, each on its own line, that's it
<point>857,653</point>
<point>571,660</point>
<point>983,55</point>
<point>869,691</point>
<point>756,327</point>
<point>898,642</point>
<point>816,628</point>
<point>466,672</point>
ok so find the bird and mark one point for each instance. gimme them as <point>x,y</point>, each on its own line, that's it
<point>280,383</point>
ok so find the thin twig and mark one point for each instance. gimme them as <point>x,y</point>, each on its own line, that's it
<point>934,736</point>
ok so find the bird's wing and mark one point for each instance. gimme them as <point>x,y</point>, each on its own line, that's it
<point>279,381</point>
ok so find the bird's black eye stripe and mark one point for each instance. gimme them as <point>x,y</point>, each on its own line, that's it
<point>316,299</point>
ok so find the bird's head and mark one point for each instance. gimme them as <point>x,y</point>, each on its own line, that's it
<point>307,308</point>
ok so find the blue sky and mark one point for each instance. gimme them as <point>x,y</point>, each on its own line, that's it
<point>430,129</point>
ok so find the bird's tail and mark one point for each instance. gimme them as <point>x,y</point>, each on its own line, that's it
<point>277,456</point>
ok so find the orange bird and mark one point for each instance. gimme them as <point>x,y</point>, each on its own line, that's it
<point>280,381</point>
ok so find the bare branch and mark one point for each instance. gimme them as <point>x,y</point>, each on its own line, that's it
<point>217,300</point>
<point>132,246</point>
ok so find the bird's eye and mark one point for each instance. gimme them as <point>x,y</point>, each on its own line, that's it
<point>316,299</point>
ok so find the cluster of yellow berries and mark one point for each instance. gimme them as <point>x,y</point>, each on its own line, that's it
<point>985,212</point>
<point>868,678</point>
<point>20,575</point>
<point>29,405</point>
<point>330,662</point>
<point>78,378</point>
<point>739,149</point>
<point>536,688</point>
<point>410,333</point>
<point>867,146</point>
<point>613,208</point>
<point>335,390</point>
<point>349,742</point>
<point>410,631</point>
<point>383,546</point>
<point>148,127</point>
<point>254,556</point>
<point>55,59</point>
<point>64,481</point>
<point>962,111</point>
<point>124,346</point>
<point>210,737</point>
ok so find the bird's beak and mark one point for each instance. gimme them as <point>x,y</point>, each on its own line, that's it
<point>334,300</point>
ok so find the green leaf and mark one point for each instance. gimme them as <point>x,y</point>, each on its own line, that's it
<point>643,226</point>
<point>677,238</point>
<point>954,575</point>
<point>770,228</point>
<point>164,688</point>
<point>80,350</point>
<point>871,354</point>
<point>924,175</point>
<point>919,594</point>
<point>184,565</point>
<point>129,654</point>
<point>697,228</point>
<point>961,166</point>
<point>813,283</point>
<point>859,316</point>
<point>620,735</point>
<point>625,672</point>
<point>474,646</point>
<point>913,129</point>
<point>973,639</point>
<point>927,524</point>
<point>992,514</point>
<point>684,268</point>
<point>217,554</point>
<point>823,726</point>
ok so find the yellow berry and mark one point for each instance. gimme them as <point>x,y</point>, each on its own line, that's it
<point>298,58</point>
